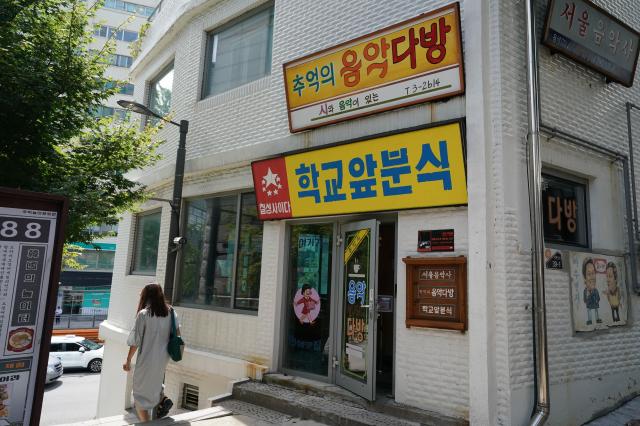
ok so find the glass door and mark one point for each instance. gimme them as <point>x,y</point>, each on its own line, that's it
<point>307,344</point>
<point>357,262</point>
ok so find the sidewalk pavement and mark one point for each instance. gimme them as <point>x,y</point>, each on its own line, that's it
<point>627,414</point>
<point>214,416</point>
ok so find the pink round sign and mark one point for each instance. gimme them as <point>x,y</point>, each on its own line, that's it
<point>306,304</point>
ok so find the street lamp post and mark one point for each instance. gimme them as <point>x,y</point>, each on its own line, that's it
<point>175,240</point>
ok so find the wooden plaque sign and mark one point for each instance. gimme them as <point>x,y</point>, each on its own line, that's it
<point>437,292</point>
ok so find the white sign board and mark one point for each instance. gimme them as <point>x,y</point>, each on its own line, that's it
<point>26,250</point>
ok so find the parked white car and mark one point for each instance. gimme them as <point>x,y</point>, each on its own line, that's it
<point>54,369</point>
<point>75,351</point>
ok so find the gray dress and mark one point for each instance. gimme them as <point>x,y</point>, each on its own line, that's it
<point>151,335</point>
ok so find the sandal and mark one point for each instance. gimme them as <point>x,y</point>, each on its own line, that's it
<point>162,409</point>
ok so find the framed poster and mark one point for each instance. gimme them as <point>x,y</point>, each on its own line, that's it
<point>31,238</point>
<point>599,295</point>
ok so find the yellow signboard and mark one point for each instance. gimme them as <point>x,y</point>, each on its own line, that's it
<point>419,168</point>
<point>411,62</point>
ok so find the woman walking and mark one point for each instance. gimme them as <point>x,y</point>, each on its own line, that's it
<point>150,337</point>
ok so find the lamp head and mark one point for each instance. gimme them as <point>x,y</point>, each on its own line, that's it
<point>136,107</point>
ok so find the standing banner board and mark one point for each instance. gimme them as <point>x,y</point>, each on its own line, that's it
<point>31,239</point>
<point>414,61</point>
<point>423,167</point>
<point>592,36</point>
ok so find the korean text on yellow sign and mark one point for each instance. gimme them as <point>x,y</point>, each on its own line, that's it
<point>423,46</point>
<point>421,168</point>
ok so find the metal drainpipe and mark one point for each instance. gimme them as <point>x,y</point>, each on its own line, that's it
<point>630,229</point>
<point>636,231</point>
<point>541,410</point>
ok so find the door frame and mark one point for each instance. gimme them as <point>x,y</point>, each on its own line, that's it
<point>337,222</point>
<point>329,378</point>
<point>366,389</point>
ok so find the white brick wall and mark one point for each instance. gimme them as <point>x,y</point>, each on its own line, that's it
<point>432,366</point>
<point>229,130</point>
<point>588,373</point>
<point>434,369</point>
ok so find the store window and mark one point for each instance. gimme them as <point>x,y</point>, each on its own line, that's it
<point>145,256</point>
<point>221,261</point>
<point>564,205</point>
<point>238,53</point>
<point>160,91</point>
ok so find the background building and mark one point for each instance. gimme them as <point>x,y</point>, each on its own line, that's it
<point>84,294</point>
<point>236,275</point>
<point>121,21</point>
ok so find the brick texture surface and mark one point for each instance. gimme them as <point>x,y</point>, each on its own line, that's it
<point>231,129</point>
<point>432,366</point>
<point>575,100</point>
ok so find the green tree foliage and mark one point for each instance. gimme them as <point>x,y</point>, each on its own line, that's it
<point>70,254</point>
<point>50,85</point>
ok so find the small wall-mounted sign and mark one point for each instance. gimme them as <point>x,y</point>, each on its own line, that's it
<point>552,259</point>
<point>564,211</point>
<point>385,303</point>
<point>436,240</point>
<point>592,36</point>
<point>437,292</point>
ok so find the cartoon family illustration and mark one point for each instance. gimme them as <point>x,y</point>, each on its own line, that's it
<point>610,288</point>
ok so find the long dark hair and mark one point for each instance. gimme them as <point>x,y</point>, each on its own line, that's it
<point>152,298</point>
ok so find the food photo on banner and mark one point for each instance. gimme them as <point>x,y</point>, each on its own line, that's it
<point>598,291</point>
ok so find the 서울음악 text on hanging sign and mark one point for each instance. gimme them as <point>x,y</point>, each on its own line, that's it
<point>411,62</point>
<point>414,169</point>
<point>590,35</point>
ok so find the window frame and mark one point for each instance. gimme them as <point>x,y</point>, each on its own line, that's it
<point>232,292</point>
<point>577,180</point>
<point>210,34</point>
<point>121,6</point>
<point>132,265</point>
<point>118,34</point>
<point>149,88</point>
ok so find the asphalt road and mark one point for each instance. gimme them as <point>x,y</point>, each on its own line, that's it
<point>71,398</point>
